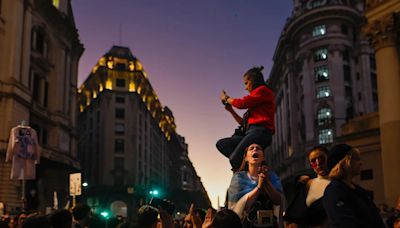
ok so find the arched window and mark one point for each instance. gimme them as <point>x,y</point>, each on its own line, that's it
<point>324,116</point>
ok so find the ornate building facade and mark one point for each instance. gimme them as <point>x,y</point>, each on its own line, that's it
<point>39,54</point>
<point>324,75</point>
<point>128,145</point>
<point>383,30</point>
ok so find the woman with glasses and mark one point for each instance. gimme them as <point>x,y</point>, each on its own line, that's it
<point>254,187</point>
<point>306,209</point>
<point>346,203</point>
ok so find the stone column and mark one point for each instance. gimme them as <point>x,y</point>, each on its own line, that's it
<point>382,34</point>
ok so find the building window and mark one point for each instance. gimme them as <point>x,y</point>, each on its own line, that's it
<point>40,89</point>
<point>120,67</point>
<point>372,62</point>
<point>320,54</point>
<point>346,55</point>
<point>324,116</point>
<point>120,82</point>
<point>348,91</point>
<point>119,163</point>
<point>367,174</point>
<point>347,74</point>
<point>374,82</point>
<point>319,30</point>
<point>119,146</point>
<point>56,3</point>
<point>325,136</point>
<point>344,29</point>
<point>36,87</point>
<point>323,91</point>
<point>38,41</point>
<point>120,99</point>
<point>119,128</point>
<point>375,101</point>
<point>46,94</point>
<point>321,73</point>
<point>119,113</point>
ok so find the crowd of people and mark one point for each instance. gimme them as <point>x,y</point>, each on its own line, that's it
<point>255,196</point>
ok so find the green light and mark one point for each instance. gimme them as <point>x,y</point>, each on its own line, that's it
<point>154,192</point>
<point>104,214</point>
<point>85,184</point>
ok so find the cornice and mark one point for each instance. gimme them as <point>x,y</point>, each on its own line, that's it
<point>382,32</point>
<point>324,13</point>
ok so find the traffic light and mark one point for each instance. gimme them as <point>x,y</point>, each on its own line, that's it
<point>154,192</point>
<point>105,214</point>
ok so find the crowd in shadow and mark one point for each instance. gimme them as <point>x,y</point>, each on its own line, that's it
<point>255,197</point>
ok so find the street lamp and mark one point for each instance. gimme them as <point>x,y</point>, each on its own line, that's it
<point>154,192</point>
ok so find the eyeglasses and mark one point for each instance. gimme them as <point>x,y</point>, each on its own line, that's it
<point>320,159</point>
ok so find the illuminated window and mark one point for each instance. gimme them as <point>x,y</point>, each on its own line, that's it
<point>325,136</point>
<point>321,73</point>
<point>109,84</point>
<point>323,91</point>
<point>318,3</point>
<point>319,30</point>
<point>320,54</point>
<point>324,116</point>
<point>110,64</point>
<point>56,3</point>
<point>132,86</point>
<point>131,66</point>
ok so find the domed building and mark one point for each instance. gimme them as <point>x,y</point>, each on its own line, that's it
<point>128,144</point>
<point>323,75</point>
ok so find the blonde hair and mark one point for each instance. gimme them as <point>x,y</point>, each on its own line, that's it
<point>342,169</point>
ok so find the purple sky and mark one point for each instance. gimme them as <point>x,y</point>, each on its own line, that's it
<point>190,50</point>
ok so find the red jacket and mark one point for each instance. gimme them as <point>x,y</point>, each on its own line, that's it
<point>261,105</point>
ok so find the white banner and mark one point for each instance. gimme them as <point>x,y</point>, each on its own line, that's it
<point>75,182</point>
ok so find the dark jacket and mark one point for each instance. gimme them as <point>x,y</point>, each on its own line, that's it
<point>347,207</point>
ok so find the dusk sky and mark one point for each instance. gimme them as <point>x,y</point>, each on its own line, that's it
<point>190,50</point>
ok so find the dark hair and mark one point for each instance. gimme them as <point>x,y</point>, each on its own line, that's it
<point>319,148</point>
<point>226,218</point>
<point>81,211</point>
<point>36,221</point>
<point>255,76</point>
<point>61,218</point>
<point>147,216</point>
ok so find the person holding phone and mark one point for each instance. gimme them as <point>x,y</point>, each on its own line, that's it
<point>257,123</point>
<point>254,187</point>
